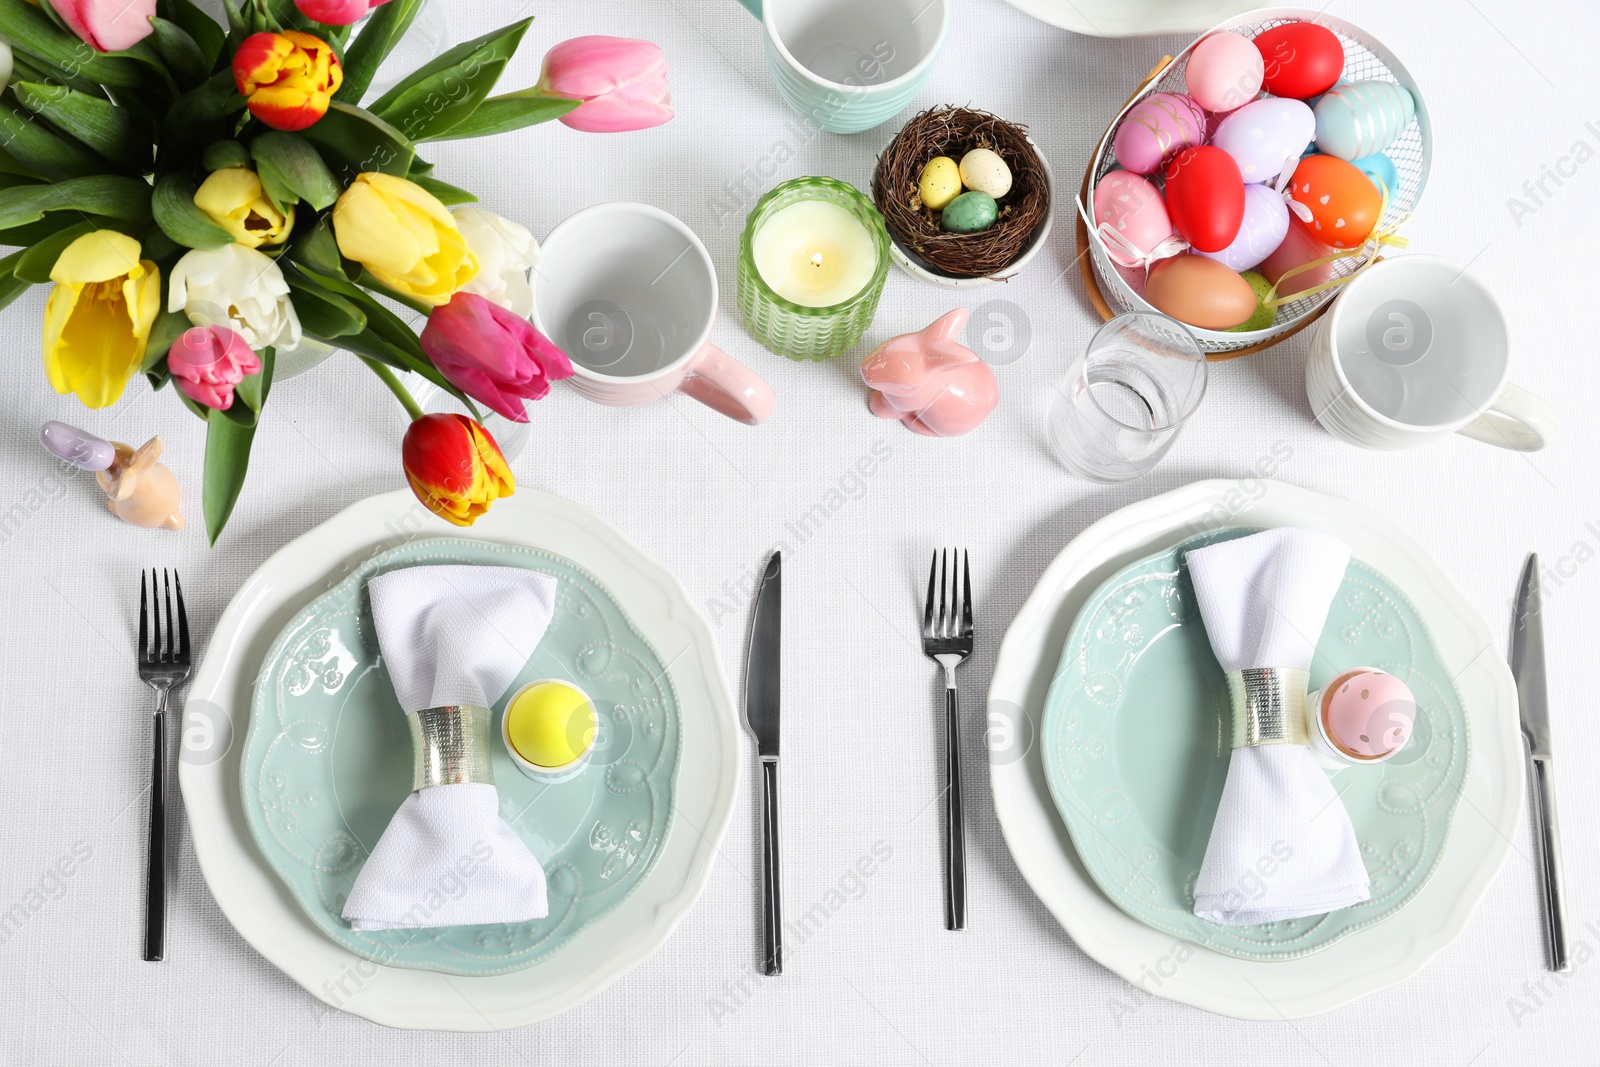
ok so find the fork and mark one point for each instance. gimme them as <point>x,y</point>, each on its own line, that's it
<point>947,639</point>
<point>162,669</point>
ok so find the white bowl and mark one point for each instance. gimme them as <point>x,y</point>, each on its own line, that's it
<point>916,270</point>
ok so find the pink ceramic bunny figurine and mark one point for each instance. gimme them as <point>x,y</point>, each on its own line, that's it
<point>142,491</point>
<point>930,381</point>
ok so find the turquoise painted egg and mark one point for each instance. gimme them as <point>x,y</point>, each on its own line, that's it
<point>1362,118</point>
<point>1381,169</point>
<point>970,213</point>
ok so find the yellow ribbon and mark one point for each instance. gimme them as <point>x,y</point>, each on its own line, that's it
<point>1383,235</point>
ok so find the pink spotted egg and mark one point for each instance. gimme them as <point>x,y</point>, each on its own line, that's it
<point>1367,714</point>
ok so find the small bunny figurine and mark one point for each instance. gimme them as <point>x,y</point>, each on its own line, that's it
<point>930,381</point>
<point>143,491</point>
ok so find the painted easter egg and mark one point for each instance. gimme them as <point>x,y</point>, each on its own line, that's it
<point>1264,134</point>
<point>1299,59</point>
<point>983,171</point>
<point>1205,197</point>
<point>1370,715</point>
<point>1344,203</point>
<point>1381,169</point>
<point>1156,129</point>
<point>971,212</point>
<point>1263,316</point>
<point>1132,207</point>
<point>1200,292</point>
<point>940,183</point>
<point>1266,221</point>
<point>1224,72</point>
<point>1362,118</point>
<point>1299,247</point>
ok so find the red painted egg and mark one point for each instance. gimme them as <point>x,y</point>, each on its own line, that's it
<point>1300,59</point>
<point>1343,201</point>
<point>1205,197</point>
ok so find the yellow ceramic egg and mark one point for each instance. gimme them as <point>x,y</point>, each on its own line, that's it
<point>983,171</point>
<point>940,182</point>
<point>550,724</point>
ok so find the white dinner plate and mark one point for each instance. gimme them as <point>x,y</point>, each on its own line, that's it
<point>218,707</point>
<point>1133,18</point>
<point>1166,966</point>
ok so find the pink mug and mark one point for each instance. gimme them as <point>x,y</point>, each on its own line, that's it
<point>628,292</point>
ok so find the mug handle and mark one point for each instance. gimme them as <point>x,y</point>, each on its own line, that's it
<point>1518,420</point>
<point>728,387</point>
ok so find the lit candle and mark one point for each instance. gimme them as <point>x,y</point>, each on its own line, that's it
<point>814,253</point>
<point>812,261</point>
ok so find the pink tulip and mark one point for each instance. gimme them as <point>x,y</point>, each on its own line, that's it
<point>336,12</point>
<point>493,355</point>
<point>107,25</point>
<point>622,83</point>
<point>208,361</point>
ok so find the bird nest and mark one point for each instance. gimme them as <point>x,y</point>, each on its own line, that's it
<point>953,132</point>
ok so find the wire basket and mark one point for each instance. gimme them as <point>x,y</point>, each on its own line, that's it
<point>1115,291</point>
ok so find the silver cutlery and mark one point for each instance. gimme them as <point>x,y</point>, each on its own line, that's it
<point>761,693</point>
<point>1527,664</point>
<point>163,667</point>
<point>947,639</point>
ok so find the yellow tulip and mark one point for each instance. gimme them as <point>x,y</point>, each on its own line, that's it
<point>233,199</point>
<point>404,236</point>
<point>98,317</point>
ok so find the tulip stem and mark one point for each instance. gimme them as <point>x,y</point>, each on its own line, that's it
<point>386,376</point>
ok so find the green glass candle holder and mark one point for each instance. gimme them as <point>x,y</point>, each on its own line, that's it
<point>796,330</point>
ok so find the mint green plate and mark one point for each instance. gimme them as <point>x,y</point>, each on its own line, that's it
<point>327,761</point>
<point>1135,751</point>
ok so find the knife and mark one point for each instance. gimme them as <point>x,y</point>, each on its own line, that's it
<point>1527,664</point>
<point>761,692</point>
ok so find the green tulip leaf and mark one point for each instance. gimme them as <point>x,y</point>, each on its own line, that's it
<point>204,114</point>
<point>292,164</point>
<point>95,121</point>
<point>227,461</point>
<point>315,249</point>
<point>11,286</point>
<point>173,207</point>
<point>30,30</point>
<point>25,139</point>
<point>354,141</point>
<point>323,314</point>
<point>219,155</point>
<point>446,90</point>
<point>444,192</point>
<point>180,51</point>
<point>36,263</point>
<point>501,114</point>
<point>373,45</point>
<point>111,195</point>
<point>207,34</point>
<point>168,327</point>
<point>251,393</point>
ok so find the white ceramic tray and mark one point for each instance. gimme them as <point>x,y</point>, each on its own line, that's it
<point>1156,962</point>
<point>261,908</point>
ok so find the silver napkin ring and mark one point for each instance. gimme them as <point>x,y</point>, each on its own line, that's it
<point>450,746</point>
<point>1269,706</point>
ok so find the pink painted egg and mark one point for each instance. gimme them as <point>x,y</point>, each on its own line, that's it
<point>1266,222</point>
<point>1368,714</point>
<point>1133,208</point>
<point>1156,129</point>
<point>1265,134</point>
<point>1224,72</point>
<point>1205,197</point>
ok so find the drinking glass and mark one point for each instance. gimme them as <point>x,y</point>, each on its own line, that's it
<point>1124,400</point>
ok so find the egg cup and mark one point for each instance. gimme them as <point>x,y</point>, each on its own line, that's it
<point>550,775</point>
<point>1363,716</point>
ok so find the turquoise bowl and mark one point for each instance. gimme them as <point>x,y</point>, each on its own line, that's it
<point>1135,751</point>
<point>327,761</point>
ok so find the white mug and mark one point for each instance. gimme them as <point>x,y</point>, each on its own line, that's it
<point>1416,349</point>
<point>628,292</point>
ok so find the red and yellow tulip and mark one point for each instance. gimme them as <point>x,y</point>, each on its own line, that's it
<point>454,467</point>
<point>288,78</point>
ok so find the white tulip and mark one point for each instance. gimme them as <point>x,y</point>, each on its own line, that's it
<point>506,251</point>
<point>236,287</point>
<point>5,66</point>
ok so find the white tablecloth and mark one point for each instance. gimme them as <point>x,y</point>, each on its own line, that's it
<point>879,980</point>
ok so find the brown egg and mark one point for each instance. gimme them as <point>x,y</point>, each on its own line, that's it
<point>1200,292</point>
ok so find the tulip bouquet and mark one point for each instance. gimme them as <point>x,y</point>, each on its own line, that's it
<point>201,195</point>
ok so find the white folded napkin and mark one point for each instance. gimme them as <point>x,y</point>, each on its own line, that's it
<point>1282,845</point>
<point>453,635</point>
